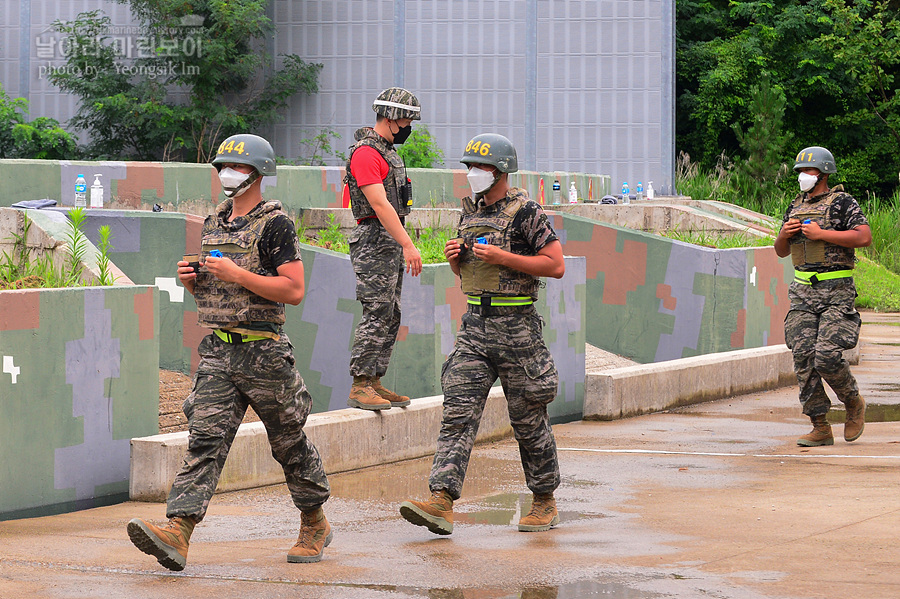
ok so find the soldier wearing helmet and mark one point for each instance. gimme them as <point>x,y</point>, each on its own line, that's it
<point>249,268</point>
<point>820,230</point>
<point>380,195</point>
<point>505,244</point>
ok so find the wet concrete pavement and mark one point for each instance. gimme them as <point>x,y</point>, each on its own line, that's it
<point>713,500</point>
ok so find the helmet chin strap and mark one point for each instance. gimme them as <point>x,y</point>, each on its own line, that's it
<point>240,189</point>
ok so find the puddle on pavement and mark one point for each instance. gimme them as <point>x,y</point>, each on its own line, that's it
<point>575,590</point>
<point>874,413</point>
<point>506,509</point>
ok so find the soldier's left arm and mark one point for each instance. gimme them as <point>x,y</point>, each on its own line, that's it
<point>287,287</point>
<point>548,262</point>
<point>857,237</point>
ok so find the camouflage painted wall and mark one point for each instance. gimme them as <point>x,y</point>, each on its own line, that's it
<point>653,299</point>
<point>195,188</point>
<point>79,379</point>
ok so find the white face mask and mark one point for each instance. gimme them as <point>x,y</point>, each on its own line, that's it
<point>232,180</point>
<point>480,180</point>
<point>807,181</point>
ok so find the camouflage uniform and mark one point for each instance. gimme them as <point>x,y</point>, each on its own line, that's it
<point>823,321</point>
<point>233,376</point>
<point>504,342</point>
<point>377,261</point>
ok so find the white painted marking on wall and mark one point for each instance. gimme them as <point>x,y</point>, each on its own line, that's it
<point>9,367</point>
<point>753,276</point>
<point>176,291</point>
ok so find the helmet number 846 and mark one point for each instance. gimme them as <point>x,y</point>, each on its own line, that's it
<point>478,148</point>
<point>230,147</point>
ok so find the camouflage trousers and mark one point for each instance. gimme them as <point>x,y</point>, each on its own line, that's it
<point>820,325</point>
<point>229,378</point>
<point>378,263</point>
<point>509,346</point>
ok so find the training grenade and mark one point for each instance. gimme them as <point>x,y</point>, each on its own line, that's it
<point>481,240</point>
<point>807,221</point>
<point>216,254</point>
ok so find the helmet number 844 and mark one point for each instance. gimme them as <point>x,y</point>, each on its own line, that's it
<point>484,148</point>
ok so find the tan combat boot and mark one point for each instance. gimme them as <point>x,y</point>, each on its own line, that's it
<point>856,419</point>
<point>820,434</point>
<point>543,514</point>
<point>436,514</point>
<point>397,401</point>
<point>364,397</point>
<point>315,536</point>
<point>168,544</point>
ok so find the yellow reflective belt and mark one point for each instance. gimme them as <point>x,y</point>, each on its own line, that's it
<point>491,300</point>
<point>229,337</point>
<point>810,277</point>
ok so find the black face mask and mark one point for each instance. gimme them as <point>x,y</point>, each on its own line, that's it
<point>402,134</point>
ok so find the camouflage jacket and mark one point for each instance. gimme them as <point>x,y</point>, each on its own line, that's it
<point>228,305</point>
<point>396,184</point>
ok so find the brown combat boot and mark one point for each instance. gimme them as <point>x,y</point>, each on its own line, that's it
<point>168,544</point>
<point>397,401</point>
<point>364,397</point>
<point>820,434</point>
<point>436,514</point>
<point>315,536</point>
<point>856,419</point>
<point>543,514</point>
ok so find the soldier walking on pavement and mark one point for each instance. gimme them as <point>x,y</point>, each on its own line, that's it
<point>380,196</point>
<point>820,230</point>
<point>505,244</point>
<point>250,267</point>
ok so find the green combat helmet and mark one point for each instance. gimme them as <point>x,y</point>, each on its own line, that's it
<point>491,149</point>
<point>245,148</point>
<point>815,157</point>
<point>396,103</point>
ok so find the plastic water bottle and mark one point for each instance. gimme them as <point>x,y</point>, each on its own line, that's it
<point>80,192</point>
<point>625,198</point>
<point>573,193</point>
<point>557,192</point>
<point>97,193</point>
<point>639,191</point>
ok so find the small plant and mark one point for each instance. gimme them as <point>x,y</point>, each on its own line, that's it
<point>332,238</point>
<point>78,244</point>
<point>106,276</point>
<point>316,149</point>
<point>421,150</point>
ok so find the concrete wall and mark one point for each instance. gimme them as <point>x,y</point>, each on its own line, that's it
<point>79,380</point>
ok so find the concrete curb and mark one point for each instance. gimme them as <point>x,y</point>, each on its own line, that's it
<point>351,439</point>
<point>635,390</point>
<point>346,439</point>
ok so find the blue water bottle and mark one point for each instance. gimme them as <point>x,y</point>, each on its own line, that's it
<point>625,198</point>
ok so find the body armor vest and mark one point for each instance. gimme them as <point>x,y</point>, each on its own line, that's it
<point>479,277</point>
<point>396,184</point>
<point>221,304</point>
<point>818,255</point>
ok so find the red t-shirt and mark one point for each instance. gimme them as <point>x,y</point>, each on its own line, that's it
<point>367,166</point>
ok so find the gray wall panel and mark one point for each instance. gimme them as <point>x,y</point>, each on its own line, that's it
<point>601,99</point>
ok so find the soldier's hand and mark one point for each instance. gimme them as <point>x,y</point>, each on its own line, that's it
<point>223,268</point>
<point>413,260</point>
<point>453,248</point>
<point>487,252</point>
<point>811,230</point>
<point>790,228</point>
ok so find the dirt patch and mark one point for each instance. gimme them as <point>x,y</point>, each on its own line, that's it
<point>174,388</point>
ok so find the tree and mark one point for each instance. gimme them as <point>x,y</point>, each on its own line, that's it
<point>420,150</point>
<point>199,77</point>
<point>41,138</point>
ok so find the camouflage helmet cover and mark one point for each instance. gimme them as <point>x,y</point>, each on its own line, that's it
<point>815,157</point>
<point>492,149</point>
<point>396,103</point>
<point>245,148</point>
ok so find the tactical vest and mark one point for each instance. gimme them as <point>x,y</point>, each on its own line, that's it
<point>818,255</point>
<point>221,304</point>
<point>396,184</point>
<point>477,276</point>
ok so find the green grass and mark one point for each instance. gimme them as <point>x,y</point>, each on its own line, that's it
<point>878,287</point>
